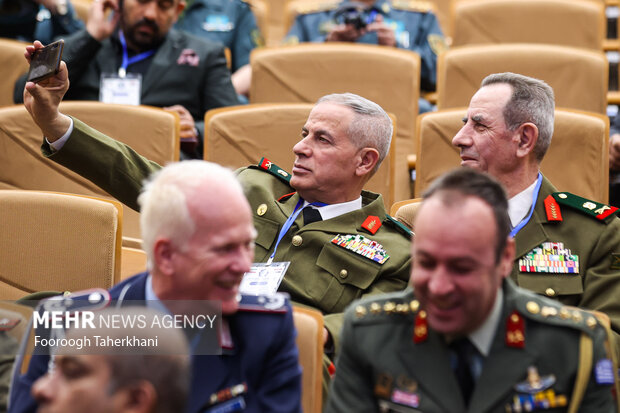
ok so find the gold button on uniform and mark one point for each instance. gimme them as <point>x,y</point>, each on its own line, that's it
<point>297,240</point>
<point>532,307</point>
<point>550,292</point>
<point>262,208</point>
<point>344,273</point>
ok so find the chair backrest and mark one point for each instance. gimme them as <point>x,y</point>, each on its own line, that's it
<point>13,64</point>
<point>406,211</point>
<point>305,72</point>
<point>577,160</point>
<point>152,132</point>
<point>238,136</point>
<point>577,76</point>
<point>309,326</point>
<point>559,22</point>
<point>58,242</point>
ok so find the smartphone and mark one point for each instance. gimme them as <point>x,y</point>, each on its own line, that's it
<point>45,62</point>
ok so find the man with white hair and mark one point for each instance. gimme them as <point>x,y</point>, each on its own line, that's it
<point>199,238</point>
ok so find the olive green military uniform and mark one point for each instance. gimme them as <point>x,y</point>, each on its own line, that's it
<point>595,242</point>
<point>381,368</point>
<point>321,274</point>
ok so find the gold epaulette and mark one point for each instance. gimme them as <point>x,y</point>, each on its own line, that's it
<point>303,7</point>
<point>420,6</point>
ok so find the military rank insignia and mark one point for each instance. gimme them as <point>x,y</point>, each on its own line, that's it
<point>535,393</point>
<point>585,206</point>
<point>550,257</point>
<point>266,165</point>
<point>363,246</point>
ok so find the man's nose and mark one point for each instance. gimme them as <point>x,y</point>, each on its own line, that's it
<point>302,147</point>
<point>462,137</point>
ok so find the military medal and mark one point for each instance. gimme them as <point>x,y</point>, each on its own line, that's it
<point>550,257</point>
<point>535,393</point>
<point>227,394</point>
<point>363,246</point>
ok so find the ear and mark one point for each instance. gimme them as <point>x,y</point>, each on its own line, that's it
<point>368,158</point>
<point>528,136</point>
<point>163,252</point>
<point>506,260</point>
<point>179,9</point>
<point>139,397</point>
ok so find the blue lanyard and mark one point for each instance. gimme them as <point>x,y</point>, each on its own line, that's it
<point>289,222</point>
<point>122,71</point>
<point>525,220</point>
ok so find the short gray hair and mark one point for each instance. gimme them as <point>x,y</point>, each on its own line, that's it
<point>164,210</point>
<point>532,101</point>
<point>371,127</point>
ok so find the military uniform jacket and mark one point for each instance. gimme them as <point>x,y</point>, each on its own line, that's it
<point>169,79</point>
<point>321,274</point>
<point>229,22</point>
<point>264,357</point>
<point>595,242</point>
<point>381,368</point>
<point>415,27</point>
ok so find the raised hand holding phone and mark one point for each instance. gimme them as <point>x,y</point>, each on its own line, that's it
<point>43,98</point>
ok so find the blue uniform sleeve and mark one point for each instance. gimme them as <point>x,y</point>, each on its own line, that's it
<point>281,389</point>
<point>20,399</point>
<point>306,29</point>
<point>425,42</point>
<point>247,37</point>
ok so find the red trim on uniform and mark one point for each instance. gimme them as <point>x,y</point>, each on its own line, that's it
<point>420,328</point>
<point>372,224</point>
<point>553,209</point>
<point>285,196</point>
<point>515,330</point>
<point>265,164</point>
<point>607,212</point>
<point>331,369</point>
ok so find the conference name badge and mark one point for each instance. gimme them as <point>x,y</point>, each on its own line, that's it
<point>124,90</point>
<point>263,278</point>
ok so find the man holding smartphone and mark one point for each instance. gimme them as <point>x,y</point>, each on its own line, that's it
<point>135,57</point>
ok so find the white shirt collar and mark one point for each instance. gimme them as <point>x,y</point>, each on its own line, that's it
<point>482,338</point>
<point>152,301</point>
<point>519,205</point>
<point>334,210</point>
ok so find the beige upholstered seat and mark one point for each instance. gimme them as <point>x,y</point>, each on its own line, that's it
<point>578,76</point>
<point>305,72</point>
<point>559,22</point>
<point>13,64</point>
<point>239,136</point>
<point>577,160</point>
<point>152,132</point>
<point>309,326</point>
<point>57,242</point>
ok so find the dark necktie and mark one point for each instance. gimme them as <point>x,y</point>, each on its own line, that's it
<point>464,350</point>
<point>311,215</point>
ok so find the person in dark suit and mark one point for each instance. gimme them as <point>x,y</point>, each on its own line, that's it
<point>167,68</point>
<point>465,338</point>
<point>199,238</point>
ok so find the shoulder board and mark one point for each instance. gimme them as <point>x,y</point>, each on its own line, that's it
<point>593,209</point>
<point>314,7</point>
<point>552,312</point>
<point>268,166</point>
<point>91,300</point>
<point>413,5</point>
<point>275,303</point>
<point>398,226</point>
<point>379,307</point>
